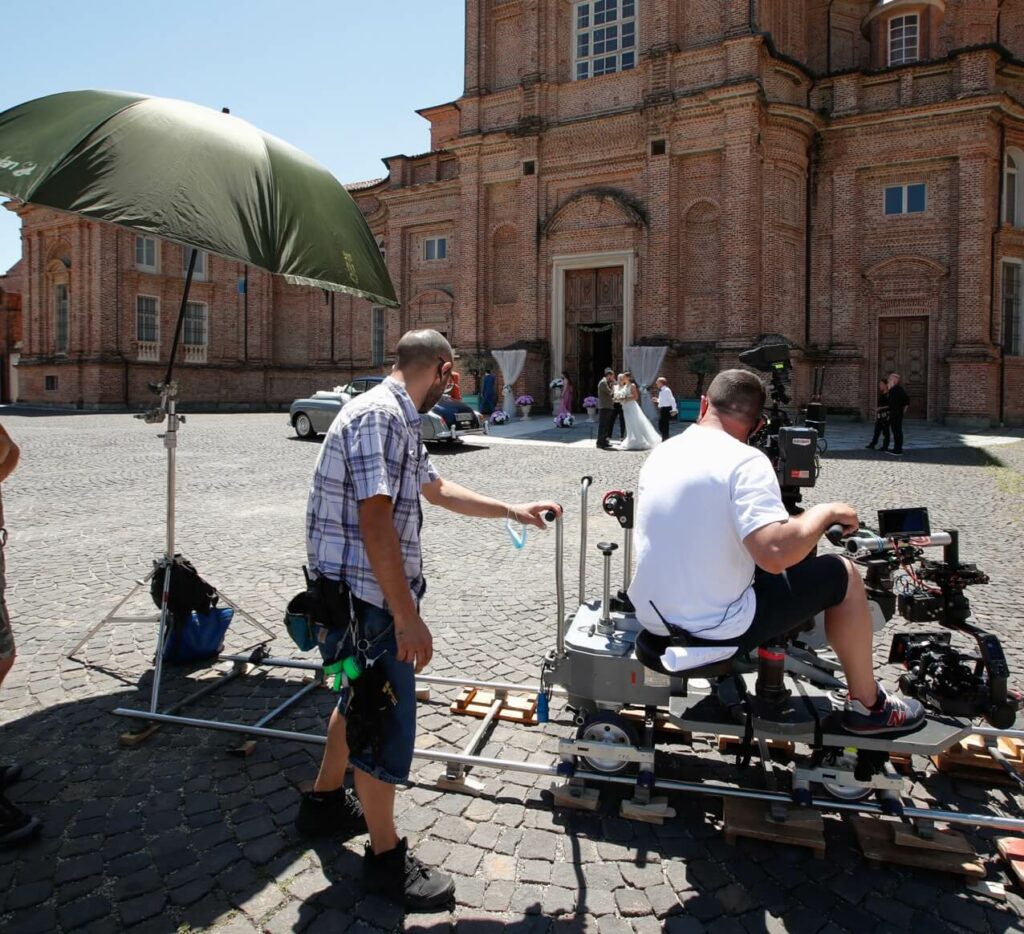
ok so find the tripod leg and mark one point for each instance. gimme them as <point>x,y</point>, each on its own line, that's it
<point>106,619</point>
<point>162,627</point>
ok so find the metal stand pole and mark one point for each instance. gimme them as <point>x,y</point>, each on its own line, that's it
<point>585,483</point>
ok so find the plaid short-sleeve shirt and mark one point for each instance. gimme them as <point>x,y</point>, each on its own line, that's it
<point>373,448</point>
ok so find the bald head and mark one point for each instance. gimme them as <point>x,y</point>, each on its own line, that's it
<point>737,394</point>
<point>418,350</point>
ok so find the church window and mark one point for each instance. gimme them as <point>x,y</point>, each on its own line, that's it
<point>435,248</point>
<point>377,335</point>
<point>146,254</point>
<point>906,199</point>
<point>147,321</point>
<point>605,37</point>
<point>1013,310</point>
<point>199,272</point>
<point>195,324</point>
<point>904,33</point>
<point>60,315</point>
<point>1013,188</point>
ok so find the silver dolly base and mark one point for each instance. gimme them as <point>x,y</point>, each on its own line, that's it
<point>462,760</point>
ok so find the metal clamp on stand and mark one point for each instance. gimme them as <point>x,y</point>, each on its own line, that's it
<point>620,505</point>
<point>605,626</point>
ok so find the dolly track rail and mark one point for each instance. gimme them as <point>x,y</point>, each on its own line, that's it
<point>967,819</point>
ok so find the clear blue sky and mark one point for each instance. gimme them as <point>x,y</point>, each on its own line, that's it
<point>334,77</point>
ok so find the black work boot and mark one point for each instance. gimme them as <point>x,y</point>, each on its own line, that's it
<point>15,825</point>
<point>330,814</point>
<point>423,889</point>
<point>9,775</point>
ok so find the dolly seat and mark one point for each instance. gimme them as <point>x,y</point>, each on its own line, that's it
<point>650,647</point>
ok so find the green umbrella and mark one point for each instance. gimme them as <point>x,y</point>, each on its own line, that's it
<point>190,174</point>
<point>204,179</point>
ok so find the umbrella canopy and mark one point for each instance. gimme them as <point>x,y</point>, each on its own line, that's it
<point>190,174</point>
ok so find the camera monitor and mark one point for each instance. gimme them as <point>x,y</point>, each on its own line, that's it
<point>904,523</point>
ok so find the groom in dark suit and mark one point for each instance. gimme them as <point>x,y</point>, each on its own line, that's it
<point>605,408</point>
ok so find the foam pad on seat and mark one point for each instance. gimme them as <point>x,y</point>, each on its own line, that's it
<point>650,647</point>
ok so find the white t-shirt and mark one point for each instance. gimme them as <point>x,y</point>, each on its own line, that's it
<point>700,495</point>
<point>665,398</point>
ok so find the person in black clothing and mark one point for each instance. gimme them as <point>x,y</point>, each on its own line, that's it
<point>881,416</point>
<point>898,402</point>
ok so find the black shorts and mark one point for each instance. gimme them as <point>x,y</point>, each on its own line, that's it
<point>786,600</point>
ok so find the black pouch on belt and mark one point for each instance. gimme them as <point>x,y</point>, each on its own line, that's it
<point>372,697</point>
<point>332,602</point>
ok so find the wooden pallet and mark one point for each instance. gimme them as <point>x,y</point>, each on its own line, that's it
<point>728,744</point>
<point>970,760</point>
<point>1012,851</point>
<point>747,817</point>
<point>475,702</point>
<point>884,840</point>
<point>661,725</point>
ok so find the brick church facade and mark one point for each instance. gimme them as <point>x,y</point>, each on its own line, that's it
<point>847,175</point>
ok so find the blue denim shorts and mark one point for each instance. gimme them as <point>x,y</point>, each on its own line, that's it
<point>374,642</point>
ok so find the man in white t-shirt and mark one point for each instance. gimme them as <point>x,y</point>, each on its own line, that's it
<point>720,559</point>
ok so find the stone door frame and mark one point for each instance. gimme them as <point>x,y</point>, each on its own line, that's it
<point>559,264</point>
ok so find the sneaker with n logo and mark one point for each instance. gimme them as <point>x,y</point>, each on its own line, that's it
<point>890,715</point>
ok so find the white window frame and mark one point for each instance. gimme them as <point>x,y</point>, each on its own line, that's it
<point>434,242</point>
<point>156,319</point>
<point>587,31</point>
<point>904,199</point>
<point>61,318</point>
<point>1013,167</point>
<point>1014,348</point>
<point>903,53</point>
<point>141,240</point>
<point>199,273</point>
<point>378,329</point>
<point>203,311</point>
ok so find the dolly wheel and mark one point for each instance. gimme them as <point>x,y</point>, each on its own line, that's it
<point>846,792</point>
<point>611,729</point>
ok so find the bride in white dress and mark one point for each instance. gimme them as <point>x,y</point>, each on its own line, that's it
<point>641,435</point>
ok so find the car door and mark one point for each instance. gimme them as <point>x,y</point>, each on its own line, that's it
<point>327,409</point>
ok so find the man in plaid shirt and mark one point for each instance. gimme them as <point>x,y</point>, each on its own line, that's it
<point>363,535</point>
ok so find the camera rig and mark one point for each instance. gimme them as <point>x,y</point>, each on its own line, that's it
<point>899,578</point>
<point>793,450</point>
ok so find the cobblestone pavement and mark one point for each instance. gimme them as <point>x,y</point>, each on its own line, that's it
<point>177,833</point>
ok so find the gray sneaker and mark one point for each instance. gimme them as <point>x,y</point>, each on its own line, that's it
<point>890,715</point>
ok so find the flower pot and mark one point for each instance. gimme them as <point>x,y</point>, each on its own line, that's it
<point>591,412</point>
<point>524,411</point>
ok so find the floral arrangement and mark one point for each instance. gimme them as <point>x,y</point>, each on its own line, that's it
<point>498,417</point>
<point>557,383</point>
<point>564,420</point>
<point>590,402</point>
<point>524,400</point>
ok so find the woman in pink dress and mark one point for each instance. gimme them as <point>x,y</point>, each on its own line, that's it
<point>566,407</point>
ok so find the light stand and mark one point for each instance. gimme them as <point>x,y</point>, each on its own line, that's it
<point>167,408</point>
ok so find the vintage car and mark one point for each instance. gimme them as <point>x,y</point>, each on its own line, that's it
<point>446,421</point>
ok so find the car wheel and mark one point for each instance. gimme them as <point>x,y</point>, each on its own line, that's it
<point>303,426</point>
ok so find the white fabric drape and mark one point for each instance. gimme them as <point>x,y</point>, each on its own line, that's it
<point>511,363</point>
<point>645,364</point>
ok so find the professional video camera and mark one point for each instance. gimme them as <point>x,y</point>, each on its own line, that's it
<point>793,450</point>
<point>943,678</point>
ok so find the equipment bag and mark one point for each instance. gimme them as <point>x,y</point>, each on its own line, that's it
<point>188,591</point>
<point>197,636</point>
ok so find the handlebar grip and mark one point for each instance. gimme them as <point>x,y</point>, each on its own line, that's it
<point>834,533</point>
<point>586,481</point>
<point>550,516</point>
